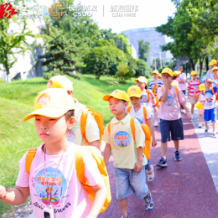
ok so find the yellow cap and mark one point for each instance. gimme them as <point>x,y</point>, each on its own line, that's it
<point>134,91</point>
<point>201,87</point>
<point>60,82</point>
<point>176,73</point>
<point>141,79</point>
<point>52,103</point>
<point>119,94</point>
<point>155,72</point>
<point>215,68</point>
<point>213,62</point>
<point>194,73</point>
<point>167,71</point>
<point>209,80</point>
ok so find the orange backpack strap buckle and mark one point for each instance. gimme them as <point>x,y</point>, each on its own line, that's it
<point>29,158</point>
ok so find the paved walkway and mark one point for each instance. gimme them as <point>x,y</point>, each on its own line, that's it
<point>184,189</point>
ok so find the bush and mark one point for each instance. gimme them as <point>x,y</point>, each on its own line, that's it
<point>124,73</point>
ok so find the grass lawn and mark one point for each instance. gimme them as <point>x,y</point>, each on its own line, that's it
<point>16,101</point>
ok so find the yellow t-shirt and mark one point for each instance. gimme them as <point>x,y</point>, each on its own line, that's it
<point>92,131</point>
<point>123,146</point>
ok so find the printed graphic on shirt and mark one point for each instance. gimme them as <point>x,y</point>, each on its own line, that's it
<point>209,98</point>
<point>144,99</point>
<point>43,99</point>
<point>139,120</point>
<point>122,139</point>
<point>44,188</point>
<point>169,101</point>
<point>70,135</point>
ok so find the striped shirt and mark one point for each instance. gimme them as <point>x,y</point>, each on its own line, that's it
<point>193,85</point>
<point>152,84</point>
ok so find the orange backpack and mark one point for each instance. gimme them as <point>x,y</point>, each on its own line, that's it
<point>80,170</point>
<point>98,118</point>
<point>144,112</point>
<point>157,103</point>
<point>147,132</point>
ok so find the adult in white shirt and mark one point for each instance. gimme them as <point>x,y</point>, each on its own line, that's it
<point>209,75</point>
<point>182,83</point>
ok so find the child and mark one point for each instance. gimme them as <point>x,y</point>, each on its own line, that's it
<point>147,95</point>
<point>74,135</point>
<point>153,86</point>
<point>136,111</point>
<point>175,78</point>
<point>170,116</point>
<point>215,76</point>
<point>129,161</point>
<point>209,100</point>
<point>53,183</point>
<point>201,89</point>
<point>193,91</point>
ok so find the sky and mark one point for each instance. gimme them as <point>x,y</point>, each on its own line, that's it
<point>145,13</point>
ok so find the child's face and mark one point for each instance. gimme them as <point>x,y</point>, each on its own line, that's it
<point>141,85</point>
<point>194,77</point>
<point>52,130</point>
<point>135,101</point>
<point>166,78</point>
<point>208,85</point>
<point>215,73</point>
<point>117,106</point>
<point>155,76</point>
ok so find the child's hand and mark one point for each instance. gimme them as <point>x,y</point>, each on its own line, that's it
<point>138,166</point>
<point>154,143</point>
<point>2,191</point>
<point>189,116</point>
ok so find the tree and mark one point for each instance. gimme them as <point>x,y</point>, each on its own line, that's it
<point>143,51</point>
<point>100,60</point>
<point>142,69</point>
<point>60,56</point>
<point>13,43</point>
<point>124,73</point>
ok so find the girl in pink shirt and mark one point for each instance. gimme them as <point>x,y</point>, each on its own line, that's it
<point>55,189</point>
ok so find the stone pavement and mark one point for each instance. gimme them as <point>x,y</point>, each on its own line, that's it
<point>186,189</point>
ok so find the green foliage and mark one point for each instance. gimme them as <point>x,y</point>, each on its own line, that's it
<point>124,73</point>
<point>144,48</point>
<point>103,60</point>
<point>142,69</point>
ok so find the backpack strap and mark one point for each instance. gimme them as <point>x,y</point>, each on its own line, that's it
<point>148,95</point>
<point>210,71</point>
<point>154,88</point>
<point>83,121</point>
<point>145,115</point>
<point>79,165</point>
<point>132,125</point>
<point>213,91</point>
<point>29,158</point>
<point>129,109</point>
<point>109,127</point>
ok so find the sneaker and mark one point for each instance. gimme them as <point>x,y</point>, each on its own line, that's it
<point>200,125</point>
<point>214,135</point>
<point>206,129</point>
<point>162,163</point>
<point>149,204</point>
<point>177,156</point>
<point>156,123</point>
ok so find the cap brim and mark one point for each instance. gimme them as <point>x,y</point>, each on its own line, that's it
<point>138,80</point>
<point>167,73</point>
<point>107,98</point>
<point>47,112</point>
<point>135,95</point>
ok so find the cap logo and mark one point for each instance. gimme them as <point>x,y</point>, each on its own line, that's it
<point>114,92</point>
<point>49,83</point>
<point>133,90</point>
<point>44,99</point>
<point>167,70</point>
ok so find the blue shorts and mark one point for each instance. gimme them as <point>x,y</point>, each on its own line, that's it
<point>210,115</point>
<point>175,127</point>
<point>128,182</point>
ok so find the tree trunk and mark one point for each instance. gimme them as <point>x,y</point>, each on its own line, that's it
<point>201,67</point>
<point>192,64</point>
<point>207,64</point>
<point>7,69</point>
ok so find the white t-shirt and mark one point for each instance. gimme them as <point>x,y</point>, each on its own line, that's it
<point>139,115</point>
<point>68,197</point>
<point>181,77</point>
<point>144,100</point>
<point>209,98</point>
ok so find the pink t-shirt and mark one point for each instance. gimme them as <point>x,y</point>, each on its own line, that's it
<point>68,198</point>
<point>193,85</point>
<point>170,109</point>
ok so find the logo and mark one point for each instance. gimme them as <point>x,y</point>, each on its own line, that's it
<point>6,10</point>
<point>49,83</point>
<point>54,10</point>
<point>133,90</point>
<point>114,92</point>
<point>169,101</point>
<point>122,139</point>
<point>43,99</point>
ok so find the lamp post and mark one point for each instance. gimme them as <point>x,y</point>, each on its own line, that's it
<point>159,52</point>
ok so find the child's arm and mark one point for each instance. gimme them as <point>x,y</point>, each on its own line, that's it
<point>152,97</point>
<point>95,144</point>
<point>188,92</point>
<point>154,143</point>
<point>187,110</point>
<point>139,163</point>
<point>99,199</point>
<point>107,153</point>
<point>14,196</point>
